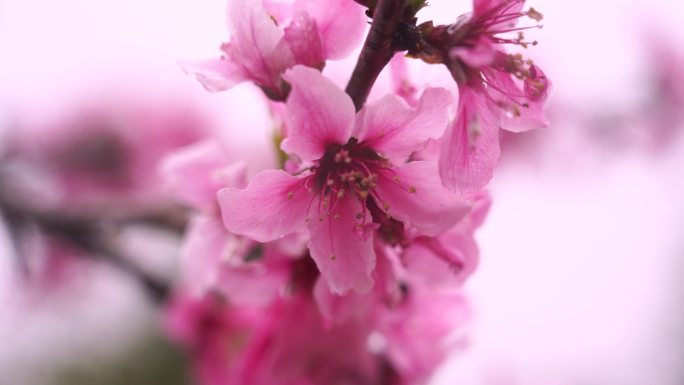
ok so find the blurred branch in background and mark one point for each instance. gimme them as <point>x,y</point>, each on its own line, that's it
<point>87,178</point>
<point>92,234</point>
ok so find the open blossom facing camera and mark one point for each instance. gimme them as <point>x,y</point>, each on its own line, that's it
<point>354,176</point>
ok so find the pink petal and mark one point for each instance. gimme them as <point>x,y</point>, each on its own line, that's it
<point>271,207</point>
<point>396,130</point>
<point>494,9</point>
<point>207,245</point>
<point>525,109</point>
<point>214,259</point>
<point>344,256</point>
<point>482,202</point>
<point>279,10</point>
<point>216,74</point>
<point>401,79</point>
<point>291,246</point>
<point>256,283</point>
<point>537,86</point>
<point>257,43</point>
<point>388,274</point>
<point>318,114</point>
<point>448,260</point>
<point>341,24</point>
<point>470,147</point>
<point>339,309</point>
<point>480,55</point>
<point>195,173</point>
<point>414,194</point>
<point>302,38</point>
<point>441,262</point>
<point>420,333</point>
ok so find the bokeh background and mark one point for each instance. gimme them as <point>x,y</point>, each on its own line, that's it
<point>581,277</point>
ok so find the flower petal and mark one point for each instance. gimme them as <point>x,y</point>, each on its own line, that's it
<point>401,80</point>
<point>341,24</point>
<point>206,246</point>
<point>272,206</point>
<point>257,43</point>
<point>389,274</point>
<point>343,253</point>
<point>195,173</point>
<point>318,113</point>
<point>414,194</point>
<point>479,55</point>
<point>217,74</point>
<point>255,283</point>
<point>525,105</point>
<point>470,147</point>
<point>448,260</point>
<point>340,309</point>
<point>396,130</point>
<point>441,262</point>
<point>302,38</point>
<point>422,331</point>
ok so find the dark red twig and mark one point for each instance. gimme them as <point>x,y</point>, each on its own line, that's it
<point>377,49</point>
<point>84,232</point>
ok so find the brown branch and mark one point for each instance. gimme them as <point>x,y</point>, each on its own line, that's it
<point>84,232</point>
<point>377,49</point>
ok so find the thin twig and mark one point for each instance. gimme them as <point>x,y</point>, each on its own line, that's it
<point>377,49</point>
<point>84,232</point>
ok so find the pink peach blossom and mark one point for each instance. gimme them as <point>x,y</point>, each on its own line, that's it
<point>496,89</point>
<point>268,38</point>
<point>213,259</point>
<point>355,170</point>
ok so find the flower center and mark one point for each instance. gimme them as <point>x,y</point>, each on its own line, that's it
<point>347,169</point>
<point>354,170</point>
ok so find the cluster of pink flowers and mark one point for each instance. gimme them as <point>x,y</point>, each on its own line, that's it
<point>344,263</point>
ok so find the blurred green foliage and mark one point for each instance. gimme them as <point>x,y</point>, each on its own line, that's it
<point>154,361</point>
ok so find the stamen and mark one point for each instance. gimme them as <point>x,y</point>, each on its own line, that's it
<point>535,15</point>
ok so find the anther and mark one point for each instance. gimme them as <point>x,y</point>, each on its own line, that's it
<point>534,14</point>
